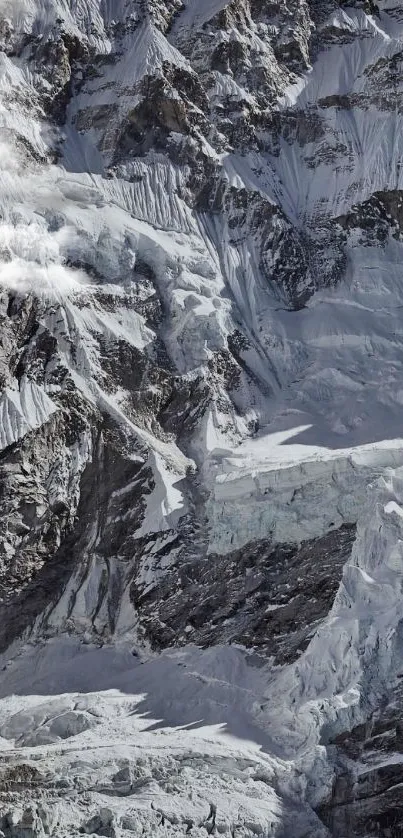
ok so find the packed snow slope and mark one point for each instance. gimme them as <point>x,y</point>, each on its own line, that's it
<point>201,393</point>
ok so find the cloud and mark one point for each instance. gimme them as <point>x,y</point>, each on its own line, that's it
<point>14,10</point>
<point>33,244</point>
<point>9,161</point>
<point>31,260</point>
<point>16,7</point>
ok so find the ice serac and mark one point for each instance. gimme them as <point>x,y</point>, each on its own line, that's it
<point>344,692</point>
<point>201,354</point>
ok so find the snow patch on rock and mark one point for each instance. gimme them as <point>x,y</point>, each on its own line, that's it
<point>23,410</point>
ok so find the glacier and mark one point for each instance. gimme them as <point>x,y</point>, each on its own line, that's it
<point>201,451</point>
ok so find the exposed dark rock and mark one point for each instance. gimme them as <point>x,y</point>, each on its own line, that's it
<point>366,796</point>
<point>264,597</point>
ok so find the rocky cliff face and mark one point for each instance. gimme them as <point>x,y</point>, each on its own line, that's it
<point>200,375</point>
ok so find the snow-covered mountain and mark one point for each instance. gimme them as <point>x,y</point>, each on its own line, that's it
<point>201,402</point>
